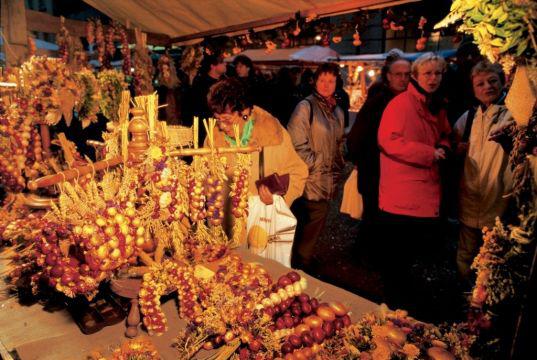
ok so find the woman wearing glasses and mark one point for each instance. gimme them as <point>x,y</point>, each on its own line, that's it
<point>413,140</point>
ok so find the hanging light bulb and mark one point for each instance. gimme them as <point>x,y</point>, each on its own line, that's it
<point>360,68</point>
<point>371,73</point>
<point>318,38</point>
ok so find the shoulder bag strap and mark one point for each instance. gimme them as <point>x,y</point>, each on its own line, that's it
<point>262,163</point>
<point>469,122</point>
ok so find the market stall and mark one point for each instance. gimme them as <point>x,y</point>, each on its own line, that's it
<point>151,225</point>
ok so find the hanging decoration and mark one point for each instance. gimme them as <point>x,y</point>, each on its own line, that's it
<point>393,22</point>
<point>51,88</point>
<point>167,76</point>
<point>190,61</point>
<point>125,50</point>
<point>88,105</point>
<point>110,48</point>
<point>99,42</point>
<point>111,83</point>
<point>504,31</point>
<point>90,32</point>
<point>63,41</point>
<point>143,67</point>
<point>356,37</point>
<point>422,41</point>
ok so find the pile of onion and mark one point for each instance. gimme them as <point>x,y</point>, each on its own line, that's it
<point>168,190</point>
<point>62,270</point>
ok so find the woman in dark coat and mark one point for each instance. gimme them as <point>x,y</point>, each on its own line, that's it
<point>316,128</point>
<point>363,146</point>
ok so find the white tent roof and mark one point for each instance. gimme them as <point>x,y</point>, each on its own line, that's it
<point>306,54</point>
<point>186,17</point>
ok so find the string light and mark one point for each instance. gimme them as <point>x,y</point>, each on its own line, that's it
<point>360,68</point>
<point>371,73</point>
<point>318,38</point>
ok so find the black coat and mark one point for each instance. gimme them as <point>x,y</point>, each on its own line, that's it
<point>363,147</point>
<point>198,102</point>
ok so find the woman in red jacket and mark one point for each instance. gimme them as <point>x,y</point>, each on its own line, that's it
<point>413,139</point>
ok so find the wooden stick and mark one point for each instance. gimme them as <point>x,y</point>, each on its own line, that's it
<point>45,140</point>
<point>95,143</point>
<point>196,133</point>
<point>218,150</point>
<point>73,173</point>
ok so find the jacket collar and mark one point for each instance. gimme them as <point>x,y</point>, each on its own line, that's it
<point>413,90</point>
<point>267,129</point>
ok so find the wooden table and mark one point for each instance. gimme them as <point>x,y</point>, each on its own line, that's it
<point>37,334</point>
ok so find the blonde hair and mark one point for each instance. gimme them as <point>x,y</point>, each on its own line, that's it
<point>425,58</point>
<point>486,67</point>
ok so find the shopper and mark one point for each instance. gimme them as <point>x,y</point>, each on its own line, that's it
<point>316,128</point>
<point>284,94</point>
<point>256,86</point>
<point>231,104</point>
<point>413,139</point>
<point>212,68</point>
<point>486,176</point>
<point>363,148</point>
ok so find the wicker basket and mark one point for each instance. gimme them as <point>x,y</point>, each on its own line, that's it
<point>180,136</point>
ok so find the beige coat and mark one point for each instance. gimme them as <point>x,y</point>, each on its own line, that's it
<point>279,153</point>
<point>487,177</point>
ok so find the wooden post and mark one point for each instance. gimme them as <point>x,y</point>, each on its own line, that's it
<point>133,319</point>
<point>13,20</point>
<point>45,140</point>
<point>139,137</point>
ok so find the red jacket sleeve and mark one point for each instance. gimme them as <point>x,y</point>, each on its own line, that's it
<point>392,141</point>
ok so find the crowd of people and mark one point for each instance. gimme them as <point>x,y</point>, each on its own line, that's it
<point>412,164</point>
<point>424,155</point>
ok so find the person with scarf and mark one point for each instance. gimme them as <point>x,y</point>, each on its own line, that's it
<point>230,102</point>
<point>316,128</point>
<point>486,177</point>
<point>413,138</point>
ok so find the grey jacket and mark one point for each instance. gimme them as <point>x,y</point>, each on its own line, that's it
<point>320,145</point>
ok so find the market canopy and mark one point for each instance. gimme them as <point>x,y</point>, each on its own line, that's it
<point>306,54</point>
<point>185,20</point>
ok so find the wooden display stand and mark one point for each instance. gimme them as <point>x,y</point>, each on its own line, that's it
<point>137,148</point>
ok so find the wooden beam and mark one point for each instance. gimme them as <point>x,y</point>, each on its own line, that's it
<point>14,30</point>
<point>321,11</point>
<point>43,22</point>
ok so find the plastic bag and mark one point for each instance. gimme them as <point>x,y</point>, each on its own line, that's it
<point>271,229</point>
<point>352,203</point>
